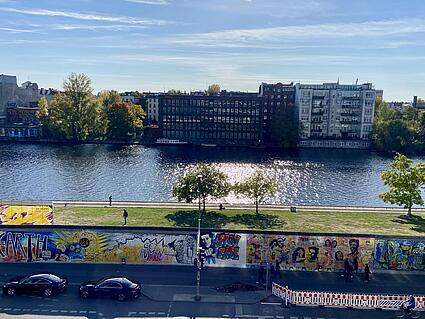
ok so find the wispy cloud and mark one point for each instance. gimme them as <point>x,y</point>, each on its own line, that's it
<point>152,2</point>
<point>112,27</point>
<point>85,16</point>
<point>257,37</point>
<point>13,30</point>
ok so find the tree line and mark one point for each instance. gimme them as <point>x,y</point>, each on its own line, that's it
<point>77,114</point>
<point>398,131</point>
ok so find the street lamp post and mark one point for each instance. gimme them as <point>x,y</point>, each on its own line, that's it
<point>198,246</point>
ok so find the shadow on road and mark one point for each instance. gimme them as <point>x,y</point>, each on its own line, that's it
<point>212,219</point>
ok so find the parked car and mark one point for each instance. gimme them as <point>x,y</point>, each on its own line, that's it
<point>119,288</point>
<point>46,284</point>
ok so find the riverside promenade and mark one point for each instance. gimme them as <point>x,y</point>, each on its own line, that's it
<point>214,206</point>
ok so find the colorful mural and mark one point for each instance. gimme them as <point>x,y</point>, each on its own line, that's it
<point>94,246</point>
<point>399,254</point>
<point>219,249</point>
<point>309,252</point>
<point>26,215</point>
<point>224,249</point>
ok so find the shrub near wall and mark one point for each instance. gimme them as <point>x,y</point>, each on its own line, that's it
<point>221,248</point>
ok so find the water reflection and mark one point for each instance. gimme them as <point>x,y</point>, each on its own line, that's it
<point>93,172</point>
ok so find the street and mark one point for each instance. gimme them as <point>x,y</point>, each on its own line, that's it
<point>168,292</point>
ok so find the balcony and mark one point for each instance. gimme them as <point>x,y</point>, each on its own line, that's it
<point>353,114</point>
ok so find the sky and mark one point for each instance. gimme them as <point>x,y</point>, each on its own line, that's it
<point>156,45</point>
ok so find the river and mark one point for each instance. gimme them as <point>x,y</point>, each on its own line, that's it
<point>139,173</point>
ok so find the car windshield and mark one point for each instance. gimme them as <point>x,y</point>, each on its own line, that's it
<point>128,283</point>
<point>54,278</point>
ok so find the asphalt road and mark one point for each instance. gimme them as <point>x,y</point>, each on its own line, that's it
<point>164,280</point>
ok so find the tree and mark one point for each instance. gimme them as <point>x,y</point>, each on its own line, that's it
<point>107,98</point>
<point>391,132</point>
<point>43,116</point>
<point>125,120</point>
<point>213,89</point>
<point>75,112</point>
<point>257,187</point>
<point>379,103</point>
<point>284,127</point>
<point>405,182</point>
<point>202,182</point>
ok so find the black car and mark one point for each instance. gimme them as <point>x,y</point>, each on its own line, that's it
<point>46,284</point>
<point>119,288</point>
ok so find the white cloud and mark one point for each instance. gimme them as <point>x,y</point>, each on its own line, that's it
<point>257,37</point>
<point>13,30</point>
<point>152,2</point>
<point>113,27</point>
<point>85,16</point>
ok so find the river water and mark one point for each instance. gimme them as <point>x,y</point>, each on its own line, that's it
<point>93,172</point>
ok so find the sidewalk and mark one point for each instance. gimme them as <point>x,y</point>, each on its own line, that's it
<point>208,294</point>
<point>381,283</point>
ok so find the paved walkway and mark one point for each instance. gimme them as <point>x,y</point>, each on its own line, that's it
<point>240,206</point>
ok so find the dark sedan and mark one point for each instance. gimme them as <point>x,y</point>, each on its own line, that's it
<point>46,284</point>
<point>119,288</point>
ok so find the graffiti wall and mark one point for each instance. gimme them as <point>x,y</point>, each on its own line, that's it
<point>26,215</point>
<point>309,252</point>
<point>399,254</point>
<point>95,246</point>
<point>224,249</point>
<point>218,249</point>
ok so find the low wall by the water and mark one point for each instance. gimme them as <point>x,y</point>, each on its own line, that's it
<point>325,252</point>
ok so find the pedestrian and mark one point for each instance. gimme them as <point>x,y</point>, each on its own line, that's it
<point>110,200</point>
<point>355,264</point>
<point>261,270</point>
<point>277,269</point>
<point>366,273</point>
<point>347,270</point>
<point>125,215</point>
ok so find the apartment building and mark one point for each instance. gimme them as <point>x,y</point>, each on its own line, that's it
<point>226,118</point>
<point>335,115</point>
<point>152,107</point>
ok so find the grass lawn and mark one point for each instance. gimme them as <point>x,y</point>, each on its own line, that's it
<point>329,222</point>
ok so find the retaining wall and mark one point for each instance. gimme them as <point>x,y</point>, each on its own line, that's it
<point>300,251</point>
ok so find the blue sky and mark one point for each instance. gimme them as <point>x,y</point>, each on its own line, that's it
<point>188,44</point>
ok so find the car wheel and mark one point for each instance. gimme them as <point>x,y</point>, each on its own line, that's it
<point>47,292</point>
<point>10,291</point>
<point>121,297</point>
<point>85,294</point>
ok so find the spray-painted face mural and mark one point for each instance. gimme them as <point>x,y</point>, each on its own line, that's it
<point>308,252</point>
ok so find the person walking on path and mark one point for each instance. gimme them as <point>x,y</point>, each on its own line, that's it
<point>125,215</point>
<point>261,270</point>
<point>366,273</point>
<point>110,200</point>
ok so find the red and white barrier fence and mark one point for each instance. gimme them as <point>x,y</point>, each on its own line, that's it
<point>349,300</point>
